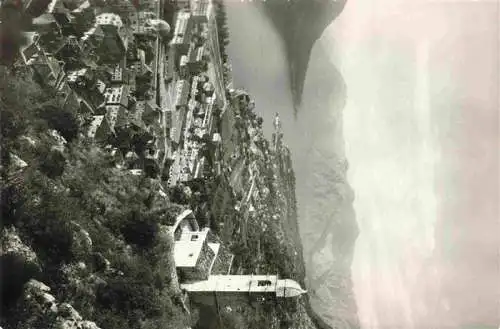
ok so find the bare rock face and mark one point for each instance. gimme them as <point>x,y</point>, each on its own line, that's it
<point>81,238</point>
<point>301,23</point>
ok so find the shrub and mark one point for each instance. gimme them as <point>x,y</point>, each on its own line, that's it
<point>232,320</point>
<point>12,124</point>
<point>11,201</point>
<point>15,272</point>
<point>53,237</point>
<point>53,164</point>
<point>178,195</point>
<point>151,169</point>
<point>139,231</point>
<point>63,121</point>
<point>134,296</point>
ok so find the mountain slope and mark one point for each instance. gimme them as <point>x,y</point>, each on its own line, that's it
<point>300,23</point>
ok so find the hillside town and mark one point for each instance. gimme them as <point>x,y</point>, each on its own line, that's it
<point>150,90</point>
<point>141,90</point>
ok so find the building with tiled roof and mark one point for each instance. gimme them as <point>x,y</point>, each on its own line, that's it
<point>46,23</point>
<point>139,23</point>
<point>181,94</point>
<point>200,10</point>
<point>118,73</point>
<point>117,99</point>
<point>117,95</point>
<point>116,116</point>
<point>194,256</point>
<point>85,84</point>
<point>31,48</point>
<point>105,40</point>
<point>99,129</point>
<point>70,50</point>
<point>196,59</point>
<point>182,33</point>
<point>47,68</point>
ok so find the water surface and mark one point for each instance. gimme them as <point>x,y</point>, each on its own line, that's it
<point>421,134</point>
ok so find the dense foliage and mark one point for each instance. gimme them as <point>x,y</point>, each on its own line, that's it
<point>73,207</point>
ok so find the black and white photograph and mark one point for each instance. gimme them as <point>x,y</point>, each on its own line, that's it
<point>250,164</point>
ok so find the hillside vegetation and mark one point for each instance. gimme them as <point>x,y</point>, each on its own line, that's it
<point>89,231</point>
<point>84,242</point>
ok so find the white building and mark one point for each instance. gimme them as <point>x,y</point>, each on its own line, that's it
<point>220,290</point>
<point>182,33</point>
<point>195,258</point>
<point>185,222</point>
<point>109,19</point>
<point>200,10</point>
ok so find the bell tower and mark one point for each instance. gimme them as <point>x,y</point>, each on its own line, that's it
<point>221,290</point>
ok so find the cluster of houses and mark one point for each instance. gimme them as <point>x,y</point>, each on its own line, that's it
<point>103,71</point>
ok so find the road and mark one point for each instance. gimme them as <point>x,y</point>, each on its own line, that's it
<point>215,65</point>
<point>164,93</point>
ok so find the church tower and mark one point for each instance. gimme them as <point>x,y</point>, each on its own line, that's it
<point>221,290</point>
<point>203,268</point>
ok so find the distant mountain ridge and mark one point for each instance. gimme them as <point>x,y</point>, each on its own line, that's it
<point>328,225</point>
<point>300,23</point>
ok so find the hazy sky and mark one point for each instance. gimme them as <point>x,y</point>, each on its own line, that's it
<point>421,132</point>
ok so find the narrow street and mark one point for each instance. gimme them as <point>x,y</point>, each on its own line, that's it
<point>165,92</point>
<point>166,100</point>
<point>215,65</point>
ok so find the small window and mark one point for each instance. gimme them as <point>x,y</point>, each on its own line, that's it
<point>191,255</point>
<point>264,283</point>
<point>194,237</point>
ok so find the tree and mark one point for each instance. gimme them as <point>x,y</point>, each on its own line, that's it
<point>140,230</point>
<point>178,195</point>
<point>53,164</point>
<point>61,120</point>
<point>19,96</point>
<point>139,142</point>
<point>11,37</point>
<point>231,320</point>
<point>260,121</point>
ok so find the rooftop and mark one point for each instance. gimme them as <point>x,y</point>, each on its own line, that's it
<point>109,19</point>
<point>247,283</point>
<point>188,249</point>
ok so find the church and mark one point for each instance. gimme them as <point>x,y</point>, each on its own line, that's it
<point>203,266</point>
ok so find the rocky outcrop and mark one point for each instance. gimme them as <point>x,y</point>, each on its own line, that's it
<point>81,238</point>
<point>19,263</point>
<point>300,23</point>
<point>38,308</point>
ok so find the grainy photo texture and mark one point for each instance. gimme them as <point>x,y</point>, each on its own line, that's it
<point>237,164</point>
